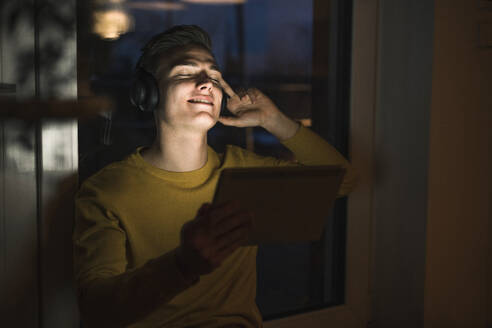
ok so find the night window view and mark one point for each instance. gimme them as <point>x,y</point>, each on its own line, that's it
<point>263,44</point>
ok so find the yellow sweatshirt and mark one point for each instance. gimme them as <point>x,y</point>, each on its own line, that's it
<point>128,221</point>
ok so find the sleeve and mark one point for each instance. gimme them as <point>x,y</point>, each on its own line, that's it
<point>109,295</point>
<point>310,149</point>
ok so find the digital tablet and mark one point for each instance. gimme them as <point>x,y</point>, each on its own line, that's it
<point>289,204</point>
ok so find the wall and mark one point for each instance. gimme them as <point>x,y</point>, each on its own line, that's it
<point>460,180</point>
<point>401,152</point>
<point>432,247</point>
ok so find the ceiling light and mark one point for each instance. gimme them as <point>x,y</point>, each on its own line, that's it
<point>215,2</point>
<point>110,24</point>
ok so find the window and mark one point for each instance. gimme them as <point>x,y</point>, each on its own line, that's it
<point>296,51</point>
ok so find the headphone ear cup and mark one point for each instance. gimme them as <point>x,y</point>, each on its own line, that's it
<point>144,93</point>
<point>223,104</point>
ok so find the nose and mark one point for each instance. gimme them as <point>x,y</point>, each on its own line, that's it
<point>203,81</point>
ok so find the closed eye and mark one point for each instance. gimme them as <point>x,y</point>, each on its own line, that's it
<point>184,75</point>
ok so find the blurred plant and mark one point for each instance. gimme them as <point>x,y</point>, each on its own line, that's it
<point>39,64</point>
<point>40,30</point>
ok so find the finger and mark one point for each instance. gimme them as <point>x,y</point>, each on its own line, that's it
<point>235,104</point>
<point>241,92</point>
<point>227,88</point>
<point>234,121</point>
<point>222,210</point>
<point>229,238</point>
<point>244,107</point>
<point>245,118</point>
<point>247,99</point>
<point>243,96</point>
<point>239,108</point>
<point>231,223</point>
<point>254,94</point>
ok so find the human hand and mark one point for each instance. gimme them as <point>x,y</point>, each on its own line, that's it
<point>253,108</point>
<point>215,233</point>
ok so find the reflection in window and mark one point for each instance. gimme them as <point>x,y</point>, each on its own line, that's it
<point>257,43</point>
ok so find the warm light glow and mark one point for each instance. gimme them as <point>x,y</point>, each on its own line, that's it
<point>305,122</point>
<point>155,5</point>
<point>112,23</point>
<point>215,2</point>
<point>108,2</point>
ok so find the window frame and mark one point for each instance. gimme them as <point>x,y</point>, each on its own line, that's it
<point>355,312</point>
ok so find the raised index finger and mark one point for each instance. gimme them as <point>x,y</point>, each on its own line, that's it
<point>227,88</point>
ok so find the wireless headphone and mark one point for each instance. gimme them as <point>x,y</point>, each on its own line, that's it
<point>144,92</point>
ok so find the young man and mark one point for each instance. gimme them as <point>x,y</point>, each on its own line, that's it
<point>150,250</point>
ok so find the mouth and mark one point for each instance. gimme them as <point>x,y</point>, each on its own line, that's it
<point>207,100</point>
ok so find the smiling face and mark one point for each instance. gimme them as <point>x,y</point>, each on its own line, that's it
<point>189,84</point>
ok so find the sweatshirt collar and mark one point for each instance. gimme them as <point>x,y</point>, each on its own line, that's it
<point>189,178</point>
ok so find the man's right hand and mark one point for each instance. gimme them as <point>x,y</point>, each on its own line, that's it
<point>215,233</point>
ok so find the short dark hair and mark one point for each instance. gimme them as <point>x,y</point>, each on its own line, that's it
<point>176,37</point>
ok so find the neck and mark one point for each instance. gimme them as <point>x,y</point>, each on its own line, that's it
<point>177,151</point>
